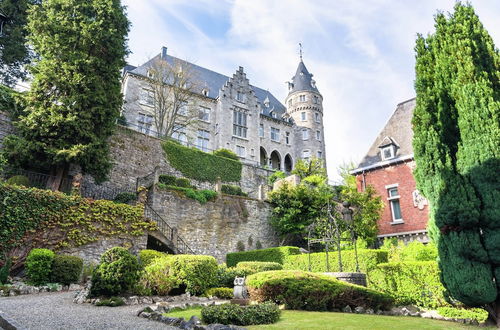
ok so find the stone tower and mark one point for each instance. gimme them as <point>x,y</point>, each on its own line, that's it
<point>304,105</point>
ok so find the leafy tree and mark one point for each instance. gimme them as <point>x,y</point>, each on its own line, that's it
<point>304,168</point>
<point>456,143</point>
<point>75,94</point>
<point>14,52</point>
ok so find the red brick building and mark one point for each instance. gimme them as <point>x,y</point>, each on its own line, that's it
<point>388,167</point>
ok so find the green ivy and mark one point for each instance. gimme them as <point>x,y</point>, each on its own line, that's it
<point>33,218</point>
<point>201,196</point>
<point>201,166</point>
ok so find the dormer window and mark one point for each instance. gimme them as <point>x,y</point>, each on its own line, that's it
<point>388,152</point>
<point>204,92</point>
<point>313,83</point>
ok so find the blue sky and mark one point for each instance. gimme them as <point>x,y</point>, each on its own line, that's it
<point>360,52</point>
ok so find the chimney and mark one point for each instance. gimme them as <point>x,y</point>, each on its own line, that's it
<point>163,53</point>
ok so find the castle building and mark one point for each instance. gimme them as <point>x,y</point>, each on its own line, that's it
<point>388,167</point>
<point>235,115</point>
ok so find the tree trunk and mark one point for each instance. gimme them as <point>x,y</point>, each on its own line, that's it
<point>55,180</point>
<point>497,313</point>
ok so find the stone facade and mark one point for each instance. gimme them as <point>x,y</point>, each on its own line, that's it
<point>215,228</point>
<point>6,127</point>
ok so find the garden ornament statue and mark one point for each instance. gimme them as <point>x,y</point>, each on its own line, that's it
<point>240,291</point>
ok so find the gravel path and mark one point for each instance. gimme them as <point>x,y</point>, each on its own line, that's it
<point>57,311</point>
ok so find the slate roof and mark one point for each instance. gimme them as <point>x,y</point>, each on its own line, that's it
<point>214,81</point>
<point>302,81</point>
<point>397,131</point>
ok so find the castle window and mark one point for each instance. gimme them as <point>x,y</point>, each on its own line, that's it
<point>261,130</point>
<point>318,135</point>
<point>204,114</point>
<point>319,154</point>
<point>146,97</point>
<point>287,137</point>
<point>183,108</point>
<point>388,152</point>
<point>204,92</point>
<point>144,123</point>
<point>303,116</point>
<point>239,124</point>
<point>202,140</point>
<point>240,151</point>
<point>290,102</point>
<point>316,99</point>
<point>306,154</point>
<point>393,198</point>
<point>302,98</point>
<point>316,117</point>
<point>179,134</point>
<point>240,96</point>
<point>275,134</point>
<point>305,134</point>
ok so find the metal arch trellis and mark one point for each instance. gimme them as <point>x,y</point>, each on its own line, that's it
<point>333,233</point>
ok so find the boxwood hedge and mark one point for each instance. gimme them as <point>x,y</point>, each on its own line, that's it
<point>276,254</point>
<point>241,315</point>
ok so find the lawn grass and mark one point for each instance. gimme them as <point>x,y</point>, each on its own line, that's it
<point>327,320</point>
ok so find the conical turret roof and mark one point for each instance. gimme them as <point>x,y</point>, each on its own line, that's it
<point>302,81</point>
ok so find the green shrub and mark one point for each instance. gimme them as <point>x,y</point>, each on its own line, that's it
<point>19,180</point>
<point>414,282</point>
<point>225,275</point>
<point>39,266</point>
<point>226,153</point>
<point>414,251</point>
<point>232,190</point>
<point>310,291</point>
<point>146,256</point>
<point>241,315</point>
<point>278,175</point>
<point>158,277</point>
<point>240,246</point>
<point>201,196</point>
<point>368,261</point>
<point>125,197</point>
<point>201,166</point>
<point>478,314</point>
<point>258,266</point>
<point>168,180</point>
<point>183,182</point>
<point>66,269</point>
<point>5,271</point>
<point>117,273</point>
<point>276,254</point>
<point>111,302</point>
<point>197,273</point>
<point>221,293</point>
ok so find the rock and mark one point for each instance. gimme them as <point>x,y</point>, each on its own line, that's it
<point>432,314</point>
<point>410,311</point>
<point>147,300</point>
<point>12,293</point>
<point>359,310</point>
<point>134,300</point>
<point>347,309</point>
<point>75,287</point>
<point>145,315</point>
<point>396,311</point>
<point>370,311</point>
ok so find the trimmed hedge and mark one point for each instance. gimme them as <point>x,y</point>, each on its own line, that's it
<point>258,266</point>
<point>203,196</point>
<point>39,266</point>
<point>276,254</point>
<point>117,273</point>
<point>221,293</point>
<point>313,292</point>
<point>158,278</point>
<point>368,261</point>
<point>201,166</point>
<point>171,180</point>
<point>415,283</point>
<point>232,190</point>
<point>226,153</point>
<point>146,256</point>
<point>66,269</point>
<point>225,275</point>
<point>197,273</point>
<point>241,315</point>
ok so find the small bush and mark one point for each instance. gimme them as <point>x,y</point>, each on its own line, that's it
<point>168,180</point>
<point>414,251</point>
<point>310,291</point>
<point>19,180</point>
<point>183,182</point>
<point>240,246</point>
<point>5,271</point>
<point>125,197</point>
<point>258,266</point>
<point>232,190</point>
<point>197,273</point>
<point>278,175</point>
<point>158,277</point>
<point>478,314</point>
<point>226,153</point>
<point>39,266</point>
<point>111,302</point>
<point>201,196</point>
<point>276,254</point>
<point>258,245</point>
<point>118,272</point>
<point>66,269</point>
<point>225,275</point>
<point>221,293</point>
<point>241,315</point>
<point>146,257</point>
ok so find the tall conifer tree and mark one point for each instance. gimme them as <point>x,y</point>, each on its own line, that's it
<point>456,143</point>
<point>75,94</point>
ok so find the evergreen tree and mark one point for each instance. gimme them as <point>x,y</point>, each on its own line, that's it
<point>75,94</point>
<point>456,143</point>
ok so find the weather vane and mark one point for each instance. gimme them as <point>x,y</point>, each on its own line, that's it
<point>300,50</point>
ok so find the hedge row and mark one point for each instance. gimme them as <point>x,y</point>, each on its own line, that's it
<point>241,315</point>
<point>201,166</point>
<point>313,292</point>
<point>368,261</point>
<point>415,283</point>
<point>276,254</point>
<point>44,266</point>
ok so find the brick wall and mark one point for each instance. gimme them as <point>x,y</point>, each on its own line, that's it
<point>415,219</point>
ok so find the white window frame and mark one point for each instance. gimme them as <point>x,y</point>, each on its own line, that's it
<point>144,122</point>
<point>240,124</point>
<point>204,114</point>
<point>392,152</point>
<point>303,116</point>
<point>147,97</point>
<point>302,98</point>
<point>240,151</point>
<point>202,140</point>
<point>275,134</point>
<point>261,130</point>
<point>393,199</point>
<point>305,134</point>
<point>316,117</point>
<point>306,154</point>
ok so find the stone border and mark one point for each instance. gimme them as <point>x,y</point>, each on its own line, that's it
<point>7,323</point>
